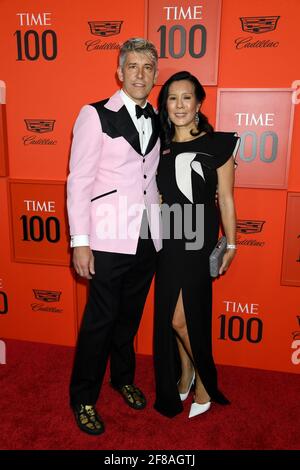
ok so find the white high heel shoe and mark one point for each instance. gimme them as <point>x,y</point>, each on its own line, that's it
<point>183,396</point>
<point>199,408</point>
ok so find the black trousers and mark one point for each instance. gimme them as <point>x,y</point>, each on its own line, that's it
<point>117,295</point>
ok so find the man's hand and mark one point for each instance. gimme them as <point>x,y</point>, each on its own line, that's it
<point>83,261</point>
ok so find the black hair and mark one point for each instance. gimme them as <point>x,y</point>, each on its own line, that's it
<point>167,128</point>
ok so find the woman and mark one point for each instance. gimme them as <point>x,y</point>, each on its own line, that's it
<point>194,161</point>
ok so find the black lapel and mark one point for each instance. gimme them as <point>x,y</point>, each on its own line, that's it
<point>117,124</point>
<point>122,121</point>
<point>155,133</point>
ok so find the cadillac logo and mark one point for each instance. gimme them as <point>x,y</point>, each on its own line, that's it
<point>259,24</point>
<point>249,226</point>
<point>105,28</point>
<point>47,295</point>
<point>40,126</point>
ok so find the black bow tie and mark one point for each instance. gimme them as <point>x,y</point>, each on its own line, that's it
<point>146,112</point>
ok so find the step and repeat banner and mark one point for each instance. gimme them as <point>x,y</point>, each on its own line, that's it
<point>58,56</point>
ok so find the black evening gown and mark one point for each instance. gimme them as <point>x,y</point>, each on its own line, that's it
<point>187,176</point>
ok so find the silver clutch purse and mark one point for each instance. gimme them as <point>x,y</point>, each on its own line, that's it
<point>216,257</point>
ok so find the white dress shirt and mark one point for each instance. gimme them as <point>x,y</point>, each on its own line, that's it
<point>144,128</point>
<point>143,125</point>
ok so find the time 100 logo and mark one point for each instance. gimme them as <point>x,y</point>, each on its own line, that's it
<point>236,327</point>
<point>3,299</point>
<point>32,45</point>
<point>192,39</point>
<point>263,144</point>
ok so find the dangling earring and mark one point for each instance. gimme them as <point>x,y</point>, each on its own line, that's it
<point>169,122</point>
<point>197,119</point>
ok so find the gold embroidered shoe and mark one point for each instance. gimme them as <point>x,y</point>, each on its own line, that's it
<point>133,396</point>
<point>88,419</point>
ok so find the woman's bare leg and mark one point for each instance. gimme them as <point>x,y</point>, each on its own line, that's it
<point>186,356</point>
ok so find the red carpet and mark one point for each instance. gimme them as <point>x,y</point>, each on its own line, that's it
<point>264,413</point>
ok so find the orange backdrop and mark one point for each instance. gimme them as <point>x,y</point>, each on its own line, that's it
<point>54,59</point>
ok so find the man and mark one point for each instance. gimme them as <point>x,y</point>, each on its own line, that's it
<point>112,197</point>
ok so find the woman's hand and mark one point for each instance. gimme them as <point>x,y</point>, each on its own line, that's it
<point>227,260</point>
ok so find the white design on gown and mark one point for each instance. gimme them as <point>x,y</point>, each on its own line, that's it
<point>184,165</point>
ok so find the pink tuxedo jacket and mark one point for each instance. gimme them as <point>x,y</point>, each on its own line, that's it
<point>110,181</point>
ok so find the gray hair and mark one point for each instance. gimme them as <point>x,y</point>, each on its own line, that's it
<point>139,45</point>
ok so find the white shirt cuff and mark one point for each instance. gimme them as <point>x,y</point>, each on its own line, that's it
<point>79,240</point>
